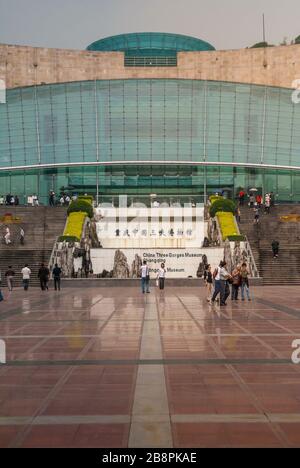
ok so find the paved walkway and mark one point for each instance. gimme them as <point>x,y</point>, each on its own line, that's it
<point>113,368</point>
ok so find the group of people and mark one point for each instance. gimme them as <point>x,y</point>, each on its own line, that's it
<point>221,280</point>
<point>257,200</point>
<point>63,200</point>
<point>7,236</point>
<point>145,277</point>
<point>9,200</point>
<point>43,275</point>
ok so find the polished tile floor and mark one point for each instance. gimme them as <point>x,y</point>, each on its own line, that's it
<point>114,368</point>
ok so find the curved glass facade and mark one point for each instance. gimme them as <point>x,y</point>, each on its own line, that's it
<point>143,43</point>
<point>146,136</point>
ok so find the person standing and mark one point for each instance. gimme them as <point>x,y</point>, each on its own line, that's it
<point>236,281</point>
<point>17,201</point>
<point>56,273</point>
<point>241,197</point>
<point>26,272</point>
<point>161,276</point>
<point>208,282</point>
<point>245,282</point>
<point>145,278</point>
<point>267,203</point>
<point>252,200</point>
<point>256,215</point>
<point>22,236</point>
<point>9,278</point>
<point>51,198</point>
<point>221,275</point>
<point>43,275</point>
<point>1,295</point>
<point>7,236</point>
<point>275,248</point>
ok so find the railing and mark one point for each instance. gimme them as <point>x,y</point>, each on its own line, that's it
<point>252,263</point>
<point>54,252</point>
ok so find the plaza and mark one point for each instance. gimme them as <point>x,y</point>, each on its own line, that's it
<point>110,367</point>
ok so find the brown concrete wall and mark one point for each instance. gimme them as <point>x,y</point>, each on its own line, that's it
<point>25,66</point>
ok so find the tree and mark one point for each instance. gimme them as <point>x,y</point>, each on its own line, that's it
<point>297,40</point>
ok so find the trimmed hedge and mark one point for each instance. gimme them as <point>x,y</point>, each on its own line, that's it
<point>81,206</point>
<point>239,238</point>
<point>74,225</point>
<point>225,205</point>
<point>87,198</point>
<point>68,239</point>
<point>214,198</point>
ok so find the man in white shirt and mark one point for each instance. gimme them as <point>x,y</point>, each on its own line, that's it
<point>221,275</point>
<point>26,272</point>
<point>145,277</point>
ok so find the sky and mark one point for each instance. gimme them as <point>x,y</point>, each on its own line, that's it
<point>74,24</point>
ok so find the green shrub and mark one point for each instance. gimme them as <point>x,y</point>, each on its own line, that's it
<point>297,40</point>
<point>214,198</point>
<point>81,206</point>
<point>87,198</point>
<point>258,45</point>
<point>224,204</point>
<point>68,239</point>
<point>239,238</point>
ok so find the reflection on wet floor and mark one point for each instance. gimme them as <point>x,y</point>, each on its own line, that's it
<point>103,367</point>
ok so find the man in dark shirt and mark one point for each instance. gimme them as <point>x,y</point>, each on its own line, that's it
<point>275,248</point>
<point>9,278</point>
<point>56,272</point>
<point>43,274</point>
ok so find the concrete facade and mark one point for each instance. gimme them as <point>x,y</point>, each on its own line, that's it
<point>27,66</point>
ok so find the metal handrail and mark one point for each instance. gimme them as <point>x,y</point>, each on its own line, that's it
<point>250,255</point>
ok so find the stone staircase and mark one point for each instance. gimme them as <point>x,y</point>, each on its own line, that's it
<point>286,268</point>
<point>42,226</point>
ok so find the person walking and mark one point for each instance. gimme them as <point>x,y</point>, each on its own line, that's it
<point>43,275</point>
<point>22,236</point>
<point>26,272</point>
<point>9,278</point>
<point>208,279</point>
<point>145,278</point>
<point>236,281</point>
<point>267,203</point>
<point>1,295</point>
<point>161,276</point>
<point>275,248</point>
<point>51,198</point>
<point>56,273</point>
<point>252,200</point>
<point>244,282</point>
<point>256,215</point>
<point>221,275</point>
<point>7,236</point>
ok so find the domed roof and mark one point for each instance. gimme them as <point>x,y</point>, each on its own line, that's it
<point>145,43</point>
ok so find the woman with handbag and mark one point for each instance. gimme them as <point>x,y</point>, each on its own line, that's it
<point>236,282</point>
<point>161,275</point>
<point>208,278</point>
